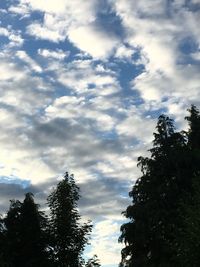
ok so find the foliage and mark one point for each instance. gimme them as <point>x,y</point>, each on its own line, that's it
<point>4,262</point>
<point>93,262</point>
<point>69,235</point>
<point>24,233</point>
<point>188,237</point>
<point>28,238</point>
<point>163,197</point>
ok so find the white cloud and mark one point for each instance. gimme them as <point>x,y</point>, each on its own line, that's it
<point>196,55</point>
<point>105,233</point>
<point>43,32</point>
<point>93,41</point>
<point>9,71</point>
<point>27,59</point>
<point>18,163</point>
<point>30,133</point>
<point>4,31</point>
<point>57,54</point>
<point>54,7</point>
<point>13,36</point>
<point>124,53</point>
<point>15,40</point>
<point>76,9</point>
<point>153,85</point>
<point>158,32</point>
<point>75,108</point>
<point>75,20</point>
<point>21,98</point>
<point>21,9</point>
<point>133,126</point>
<point>81,77</point>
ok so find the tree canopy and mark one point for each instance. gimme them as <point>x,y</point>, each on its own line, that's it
<point>23,229</point>
<point>93,262</point>
<point>164,198</point>
<point>69,235</point>
<point>29,238</point>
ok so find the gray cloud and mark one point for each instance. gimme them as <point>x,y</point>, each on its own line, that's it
<point>107,200</point>
<point>15,191</point>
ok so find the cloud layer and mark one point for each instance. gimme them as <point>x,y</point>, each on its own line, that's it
<point>81,86</point>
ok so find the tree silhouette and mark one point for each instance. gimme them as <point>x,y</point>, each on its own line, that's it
<point>194,130</point>
<point>25,234</point>
<point>188,236</point>
<point>93,262</point>
<point>69,235</point>
<point>29,238</point>
<point>33,225</point>
<point>13,232</point>
<point>4,255</point>
<point>161,198</point>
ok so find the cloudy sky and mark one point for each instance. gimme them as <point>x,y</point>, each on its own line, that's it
<point>81,86</point>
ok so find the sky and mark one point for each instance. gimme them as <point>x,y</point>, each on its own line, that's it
<point>82,84</point>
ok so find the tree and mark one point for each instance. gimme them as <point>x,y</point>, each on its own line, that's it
<point>25,234</point>
<point>33,231</point>
<point>151,234</point>
<point>194,128</point>
<point>13,233</point>
<point>93,262</point>
<point>69,235</point>
<point>188,237</point>
<point>4,256</point>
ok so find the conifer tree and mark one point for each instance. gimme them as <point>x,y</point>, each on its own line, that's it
<point>188,236</point>
<point>33,231</point>
<point>150,234</point>
<point>25,234</point>
<point>194,128</point>
<point>69,235</point>
<point>13,233</point>
<point>4,255</point>
<point>93,262</point>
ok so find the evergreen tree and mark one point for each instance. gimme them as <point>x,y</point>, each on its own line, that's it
<point>150,235</point>
<point>188,236</point>
<point>93,262</point>
<point>4,256</point>
<point>69,235</point>
<point>194,128</point>
<point>25,234</point>
<point>33,230</point>
<point>13,233</point>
